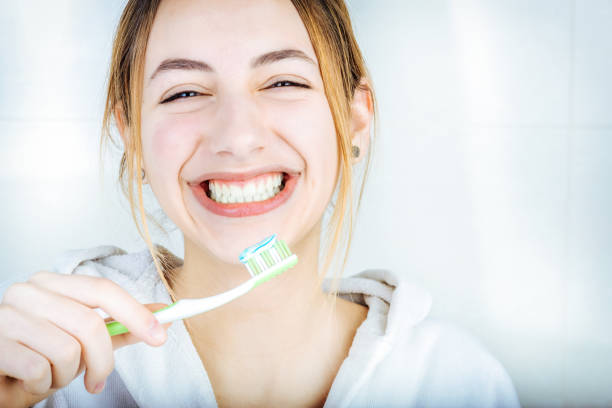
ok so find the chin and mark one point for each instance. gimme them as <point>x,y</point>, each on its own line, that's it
<point>228,246</point>
<point>228,257</point>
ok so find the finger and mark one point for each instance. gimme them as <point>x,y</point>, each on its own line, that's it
<point>110,297</point>
<point>61,349</point>
<point>13,393</point>
<point>81,322</point>
<point>127,339</point>
<point>26,365</point>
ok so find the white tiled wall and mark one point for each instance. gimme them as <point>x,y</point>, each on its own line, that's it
<point>494,156</point>
<point>592,55</point>
<point>54,61</point>
<point>489,186</point>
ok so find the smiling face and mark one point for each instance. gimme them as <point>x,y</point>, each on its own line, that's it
<point>233,102</point>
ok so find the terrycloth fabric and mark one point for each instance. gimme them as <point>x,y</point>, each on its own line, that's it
<point>397,358</point>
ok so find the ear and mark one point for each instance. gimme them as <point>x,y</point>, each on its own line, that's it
<point>120,121</point>
<point>362,112</point>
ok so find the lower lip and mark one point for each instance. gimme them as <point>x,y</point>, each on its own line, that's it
<point>245,209</point>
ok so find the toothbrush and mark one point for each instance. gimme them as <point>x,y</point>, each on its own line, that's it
<point>263,260</point>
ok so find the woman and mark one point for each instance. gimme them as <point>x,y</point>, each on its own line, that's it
<point>214,100</point>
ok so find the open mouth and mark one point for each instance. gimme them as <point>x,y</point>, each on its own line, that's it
<point>256,189</point>
<point>241,198</point>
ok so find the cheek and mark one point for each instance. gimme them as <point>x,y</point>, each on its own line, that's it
<point>168,143</point>
<point>309,129</point>
<point>319,144</point>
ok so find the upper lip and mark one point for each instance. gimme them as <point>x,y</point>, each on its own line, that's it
<point>242,175</point>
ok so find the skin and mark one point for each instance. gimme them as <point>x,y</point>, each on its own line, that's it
<point>236,121</point>
<point>280,345</point>
<point>49,334</point>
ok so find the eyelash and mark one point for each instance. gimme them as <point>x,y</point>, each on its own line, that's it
<point>188,94</point>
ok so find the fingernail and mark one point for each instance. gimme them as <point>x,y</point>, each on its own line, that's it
<point>99,387</point>
<point>157,332</point>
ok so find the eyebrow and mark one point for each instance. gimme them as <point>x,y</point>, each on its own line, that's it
<point>264,59</point>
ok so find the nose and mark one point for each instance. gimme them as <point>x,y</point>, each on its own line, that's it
<point>239,130</point>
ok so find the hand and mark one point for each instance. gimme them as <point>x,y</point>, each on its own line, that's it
<point>49,334</point>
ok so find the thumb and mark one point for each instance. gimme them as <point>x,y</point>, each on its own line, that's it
<point>125,339</point>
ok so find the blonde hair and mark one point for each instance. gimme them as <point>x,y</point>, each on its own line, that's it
<point>342,69</point>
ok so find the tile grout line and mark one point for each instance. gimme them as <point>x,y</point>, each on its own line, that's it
<point>568,207</point>
<point>60,120</point>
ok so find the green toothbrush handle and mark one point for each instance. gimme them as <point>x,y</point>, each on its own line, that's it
<point>114,328</point>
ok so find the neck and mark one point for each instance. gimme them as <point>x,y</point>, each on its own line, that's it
<point>280,315</point>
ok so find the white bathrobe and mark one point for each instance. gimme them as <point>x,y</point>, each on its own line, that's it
<point>398,358</point>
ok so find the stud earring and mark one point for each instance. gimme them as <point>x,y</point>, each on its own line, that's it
<point>144,177</point>
<point>355,151</point>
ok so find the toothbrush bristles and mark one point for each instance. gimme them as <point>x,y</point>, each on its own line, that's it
<point>261,262</point>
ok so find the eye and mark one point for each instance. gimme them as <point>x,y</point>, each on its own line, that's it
<point>181,95</point>
<point>281,84</point>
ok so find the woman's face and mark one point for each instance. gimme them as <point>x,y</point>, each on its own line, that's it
<point>234,110</point>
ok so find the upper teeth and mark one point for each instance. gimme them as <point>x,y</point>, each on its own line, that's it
<point>257,190</point>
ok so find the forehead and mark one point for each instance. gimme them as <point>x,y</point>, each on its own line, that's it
<point>224,31</point>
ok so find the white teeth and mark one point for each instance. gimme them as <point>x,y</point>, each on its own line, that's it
<point>252,191</point>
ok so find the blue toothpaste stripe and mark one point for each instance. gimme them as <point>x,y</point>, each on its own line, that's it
<point>257,248</point>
